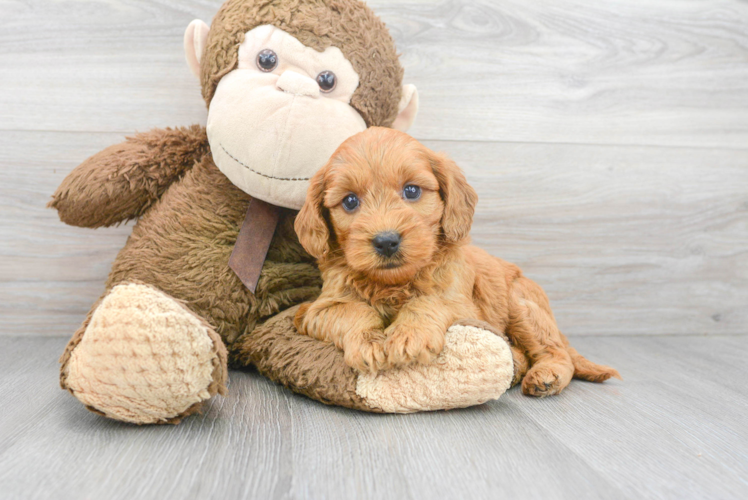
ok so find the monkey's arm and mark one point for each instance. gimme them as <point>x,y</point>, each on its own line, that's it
<point>122,181</point>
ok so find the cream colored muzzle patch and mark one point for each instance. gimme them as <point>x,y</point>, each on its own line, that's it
<point>143,359</point>
<point>475,366</point>
<point>270,131</point>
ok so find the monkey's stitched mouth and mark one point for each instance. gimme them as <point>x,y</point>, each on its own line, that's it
<point>260,173</point>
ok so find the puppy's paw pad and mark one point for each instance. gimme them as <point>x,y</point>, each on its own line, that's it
<point>544,380</point>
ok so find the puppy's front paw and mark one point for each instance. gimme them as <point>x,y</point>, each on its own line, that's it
<point>365,352</point>
<point>406,344</point>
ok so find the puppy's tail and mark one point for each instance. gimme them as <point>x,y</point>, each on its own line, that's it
<point>585,369</point>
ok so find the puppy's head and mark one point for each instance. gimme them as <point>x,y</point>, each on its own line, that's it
<point>385,203</point>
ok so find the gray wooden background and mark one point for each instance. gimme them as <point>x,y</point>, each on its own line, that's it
<point>608,141</point>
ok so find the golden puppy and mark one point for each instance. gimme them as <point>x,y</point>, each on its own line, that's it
<point>388,221</point>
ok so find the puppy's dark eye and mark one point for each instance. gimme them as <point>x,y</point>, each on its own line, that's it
<point>350,202</point>
<point>267,60</point>
<point>326,81</point>
<point>411,192</point>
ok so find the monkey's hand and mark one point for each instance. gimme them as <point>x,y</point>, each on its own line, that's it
<point>122,181</point>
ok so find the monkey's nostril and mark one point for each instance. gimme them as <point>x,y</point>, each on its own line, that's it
<point>387,243</point>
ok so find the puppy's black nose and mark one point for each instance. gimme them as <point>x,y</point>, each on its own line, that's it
<point>387,243</point>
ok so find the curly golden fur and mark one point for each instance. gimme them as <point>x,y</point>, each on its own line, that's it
<point>387,308</point>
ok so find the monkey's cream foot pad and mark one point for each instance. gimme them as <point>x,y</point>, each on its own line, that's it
<point>475,366</point>
<point>145,358</point>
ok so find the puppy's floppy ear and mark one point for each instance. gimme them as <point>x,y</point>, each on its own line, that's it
<point>310,224</point>
<point>459,197</point>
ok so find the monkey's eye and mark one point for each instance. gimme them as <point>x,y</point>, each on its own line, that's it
<point>267,60</point>
<point>411,192</point>
<point>350,202</point>
<point>326,81</point>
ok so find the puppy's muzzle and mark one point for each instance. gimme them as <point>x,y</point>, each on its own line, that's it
<point>387,243</point>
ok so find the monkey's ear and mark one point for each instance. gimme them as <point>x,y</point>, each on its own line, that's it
<point>459,198</point>
<point>407,109</point>
<point>195,37</point>
<point>310,224</point>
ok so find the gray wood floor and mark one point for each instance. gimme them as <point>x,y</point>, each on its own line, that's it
<point>675,428</point>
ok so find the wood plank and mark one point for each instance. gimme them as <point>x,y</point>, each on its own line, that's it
<point>50,273</point>
<point>264,442</point>
<point>618,72</point>
<point>673,428</point>
<point>675,419</point>
<point>625,240</point>
<point>102,65</point>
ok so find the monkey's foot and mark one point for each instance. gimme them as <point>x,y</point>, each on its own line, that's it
<point>144,358</point>
<point>475,366</point>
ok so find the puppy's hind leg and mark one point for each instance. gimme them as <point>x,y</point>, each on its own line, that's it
<point>534,329</point>
<point>521,364</point>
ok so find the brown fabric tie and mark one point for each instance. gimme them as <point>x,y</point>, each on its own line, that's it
<point>253,242</point>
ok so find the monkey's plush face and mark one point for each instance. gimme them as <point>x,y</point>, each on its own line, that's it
<point>279,116</point>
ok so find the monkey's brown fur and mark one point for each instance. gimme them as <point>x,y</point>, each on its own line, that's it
<point>373,55</point>
<point>390,311</point>
<point>189,213</point>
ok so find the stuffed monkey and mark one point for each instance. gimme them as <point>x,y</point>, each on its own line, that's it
<point>213,269</point>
